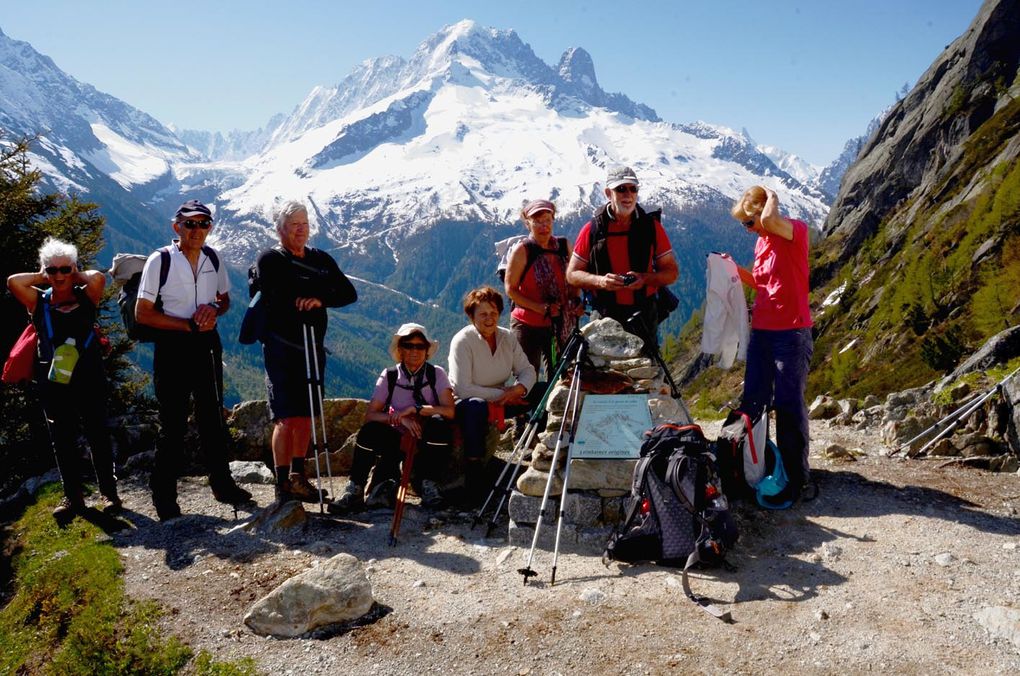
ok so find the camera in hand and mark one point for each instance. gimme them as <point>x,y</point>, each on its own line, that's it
<point>629,279</point>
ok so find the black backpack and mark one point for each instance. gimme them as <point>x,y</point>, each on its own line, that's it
<point>255,320</point>
<point>416,387</point>
<point>128,296</point>
<point>679,515</point>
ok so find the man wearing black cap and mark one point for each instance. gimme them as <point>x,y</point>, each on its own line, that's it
<point>624,256</point>
<point>182,292</point>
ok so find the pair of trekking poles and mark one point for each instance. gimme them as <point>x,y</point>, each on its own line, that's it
<point>954,418</point>
<point>315,392</point>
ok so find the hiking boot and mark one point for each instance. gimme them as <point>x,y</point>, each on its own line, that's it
<point>111,502</point>
<point>353,500</point>
<point>230,493</point>
<point>67,508</point>
<point>431,498</point>
<point>383,495</point>
<point>300,488</point>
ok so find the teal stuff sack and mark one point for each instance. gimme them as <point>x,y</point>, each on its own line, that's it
<point>772,484</point>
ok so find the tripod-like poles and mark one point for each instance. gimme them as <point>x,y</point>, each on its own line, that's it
<point>573,395</point>
<point>504,483</point>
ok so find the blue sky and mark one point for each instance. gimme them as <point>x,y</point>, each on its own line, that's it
<point>804,76</point>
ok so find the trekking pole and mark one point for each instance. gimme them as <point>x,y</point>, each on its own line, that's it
<point>970,409</point>
<point>517,456</point>
<point>322,413</point>
<point>572,394</point>
<point>956,417</point>
<point>219,409</point>
<point>311,411</point>
<point>570,458</point>
<point>409,445</point>
<point>637,321</point>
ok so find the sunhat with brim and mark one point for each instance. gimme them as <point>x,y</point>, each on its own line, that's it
<point>406,330</point>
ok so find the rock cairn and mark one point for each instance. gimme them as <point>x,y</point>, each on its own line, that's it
<point>598,488</point>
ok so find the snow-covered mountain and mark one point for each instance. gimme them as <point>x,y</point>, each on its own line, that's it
<point>87,141</point>
<point>412,168</point>
<point>230,146</point>
<point>469,127</point>
<point>794,165</point>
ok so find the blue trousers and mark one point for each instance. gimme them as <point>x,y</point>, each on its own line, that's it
<point>473,417</point>
<point>777,370</point>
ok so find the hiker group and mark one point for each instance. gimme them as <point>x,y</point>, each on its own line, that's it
<point>620,266</point>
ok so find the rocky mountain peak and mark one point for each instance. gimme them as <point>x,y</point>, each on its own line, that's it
<point>924,134</point>
<point>577,68</point>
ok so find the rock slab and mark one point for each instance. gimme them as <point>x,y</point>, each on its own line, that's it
<point>336,591</point>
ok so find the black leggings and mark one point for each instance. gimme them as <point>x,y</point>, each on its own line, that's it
<point>81,404</point>
<point>378,445</point>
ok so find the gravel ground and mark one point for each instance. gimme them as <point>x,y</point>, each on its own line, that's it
<point>883,572</point>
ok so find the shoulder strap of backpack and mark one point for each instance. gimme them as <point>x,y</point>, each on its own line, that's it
<point>391,382</point>
<point>164,267</point>
<point>45,300</point>
<point>430,376</point>
<point>534,251</point>
<point>213,256</point>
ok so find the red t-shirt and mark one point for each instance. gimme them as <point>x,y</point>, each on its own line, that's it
<point>544,282</point>
<point>619,255</point>
<point>781,281</point>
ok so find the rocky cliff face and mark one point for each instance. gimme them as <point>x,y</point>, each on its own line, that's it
<point>923,137</point>
<point>921,262</point>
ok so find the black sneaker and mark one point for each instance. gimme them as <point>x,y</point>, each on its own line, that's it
<point>230,493</point>
<point>431,498</point>
<point>168,510</point>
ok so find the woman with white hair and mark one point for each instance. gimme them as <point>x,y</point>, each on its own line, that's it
<point>415,398</point>
<point>65,314</point>
<point>298,283</point>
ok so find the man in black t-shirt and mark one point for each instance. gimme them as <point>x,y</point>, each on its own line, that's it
<point>298,283</point>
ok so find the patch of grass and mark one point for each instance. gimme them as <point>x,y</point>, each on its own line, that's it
<point>205,665</point>
<point>68,613</point>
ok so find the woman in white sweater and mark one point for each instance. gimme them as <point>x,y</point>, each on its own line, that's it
<point>491,376</point>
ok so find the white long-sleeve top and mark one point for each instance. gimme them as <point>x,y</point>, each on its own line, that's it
<point>476,372</point>
<point>727,328</point>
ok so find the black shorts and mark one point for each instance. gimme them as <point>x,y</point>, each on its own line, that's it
<point>287,379</point>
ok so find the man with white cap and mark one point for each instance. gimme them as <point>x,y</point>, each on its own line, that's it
<point>414,397</point>
<point>623,255</point>
<point>182,292</point>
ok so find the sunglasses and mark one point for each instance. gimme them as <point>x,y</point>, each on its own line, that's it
<point>748,224</point>
<point>624,189</point>
<point>191,225</point>
<point>413,346</point>
<point>63,269</point>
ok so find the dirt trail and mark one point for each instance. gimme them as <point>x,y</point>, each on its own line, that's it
<point>884,571</point>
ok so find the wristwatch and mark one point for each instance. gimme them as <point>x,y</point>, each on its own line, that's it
<point>418,408</point>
